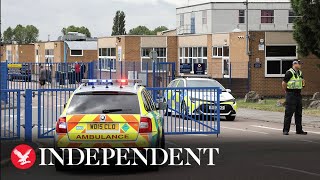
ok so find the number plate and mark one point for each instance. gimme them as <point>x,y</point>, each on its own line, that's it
<point>103,127</point>
<point>222,108</point>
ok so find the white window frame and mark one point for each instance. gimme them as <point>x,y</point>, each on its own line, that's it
<point>204,17</point>
<point>160,58</point>
<point>181,20</point>
<point>76,50</point>
<point>226,76</point>
<point>217,50</point>
<point>267,16</point>
<point>192,59</point>
<point>285,58</point>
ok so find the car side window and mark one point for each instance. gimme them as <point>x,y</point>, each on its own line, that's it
<point>150,100</point>
<point>174,83</point>
<point>181,84</point>
<point>145,102</point>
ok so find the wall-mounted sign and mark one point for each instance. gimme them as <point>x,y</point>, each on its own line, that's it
<point>185,68</point>
<point>199,68</point>
<point>261,45</point>
<point>257,65</point>
<point>119,53</point>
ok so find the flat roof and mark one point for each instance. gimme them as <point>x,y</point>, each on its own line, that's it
<point>235,1</point>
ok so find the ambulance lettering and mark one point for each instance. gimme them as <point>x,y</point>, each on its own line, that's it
<point>103,137</point>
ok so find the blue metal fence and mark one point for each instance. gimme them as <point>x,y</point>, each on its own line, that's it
<point>68,75</point>
<point>50,106</point>
<point>189,110</point>
<point>10,114</point>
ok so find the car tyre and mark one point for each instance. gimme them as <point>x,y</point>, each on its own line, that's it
<point>183,110</point>
<point>230,118</point>
<point>167,113</point>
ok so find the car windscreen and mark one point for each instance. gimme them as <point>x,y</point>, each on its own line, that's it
<point>104,103</point>
<point>204,83</point>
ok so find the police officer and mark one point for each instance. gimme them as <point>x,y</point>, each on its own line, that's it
<point>292,84</point>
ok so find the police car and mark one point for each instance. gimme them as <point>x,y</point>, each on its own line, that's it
<point>199,102</point>
<point>109,114</point>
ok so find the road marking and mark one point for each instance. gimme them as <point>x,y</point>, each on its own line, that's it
<point>310,141</point>
<point>277,129</point>
<point>244,130</point>
<point>295,170</point>
<point>264,127</point>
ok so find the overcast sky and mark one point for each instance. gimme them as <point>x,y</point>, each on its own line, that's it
<point>50,16</point>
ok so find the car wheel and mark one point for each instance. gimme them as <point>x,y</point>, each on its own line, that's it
<point>167,113</point>
<point>230,118</point>
<point>183,110</point>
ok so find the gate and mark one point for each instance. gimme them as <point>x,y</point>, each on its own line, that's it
<point>189,110</point>
<point>163,73</point>
<point>50,105</point>
<point>10,114</point>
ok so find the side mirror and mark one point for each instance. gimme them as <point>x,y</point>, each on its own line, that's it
<point>64,106</point>
<point>228,90</point>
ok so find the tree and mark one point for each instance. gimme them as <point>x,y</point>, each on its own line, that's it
<point>31,34</point>
<point>143,30</point>
<point>19,34</point>
<point>140,30</point>
<point>159,29</point>
<point>8,35</point>
<point>73,28</point>
<point>307,26</point>
<point>119,24</point>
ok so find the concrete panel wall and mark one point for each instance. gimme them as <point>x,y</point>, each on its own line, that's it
<point>156,41</point>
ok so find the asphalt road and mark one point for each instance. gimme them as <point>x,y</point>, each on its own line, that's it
<point>249,149</point>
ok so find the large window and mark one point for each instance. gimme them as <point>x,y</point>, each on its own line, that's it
<point>76,52</point>
<point>267,16</point>
<point>193,55</point>
<point>147,64</point>
<point>9,56</point>
<point>49,55</point>
<point>204,17</point>
<point>107,59</point>
<point>292,16</point>
<point>220,51</point>
<point>279,60</point>
<point>181,20</point>
<point>242,16</point>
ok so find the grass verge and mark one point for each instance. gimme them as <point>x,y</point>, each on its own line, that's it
<point>271,105</point>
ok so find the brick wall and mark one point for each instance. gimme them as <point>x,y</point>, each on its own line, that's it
<point>27,53</point>
<point>272,86</point>
<point>88,56</point>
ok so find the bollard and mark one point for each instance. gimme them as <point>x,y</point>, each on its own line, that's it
<point>28,115</point>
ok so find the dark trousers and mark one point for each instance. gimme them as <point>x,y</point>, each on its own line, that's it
<point>293,106</point>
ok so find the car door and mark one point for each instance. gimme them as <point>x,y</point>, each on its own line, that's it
<point>170,94</point>
<point>179,94</point>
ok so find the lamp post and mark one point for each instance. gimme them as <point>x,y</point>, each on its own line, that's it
<point>247,26</point>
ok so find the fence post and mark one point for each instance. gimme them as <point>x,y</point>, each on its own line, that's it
<point>154,74</point>
<point>28,115</point>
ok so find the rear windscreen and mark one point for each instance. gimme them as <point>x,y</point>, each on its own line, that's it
<point>104,104</point>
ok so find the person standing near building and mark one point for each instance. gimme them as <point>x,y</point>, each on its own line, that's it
<point>292,84</point>
<point>42,77</point>
<point>77,70</point>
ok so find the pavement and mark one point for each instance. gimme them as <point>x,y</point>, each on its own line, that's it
<point>277,117</point>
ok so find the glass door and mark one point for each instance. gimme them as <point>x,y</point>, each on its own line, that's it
<point>226,67</point>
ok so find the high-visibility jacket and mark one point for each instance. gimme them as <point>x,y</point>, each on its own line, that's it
<point>296,80</point>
